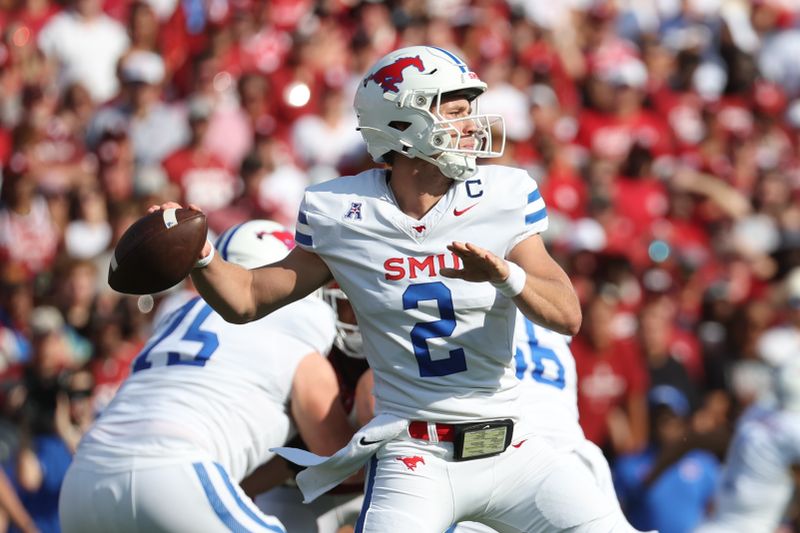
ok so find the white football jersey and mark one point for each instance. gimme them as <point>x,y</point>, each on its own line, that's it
<point>549,395</point>
<point>441,348</point>
<point>204,388</point>
<point>757,482</point>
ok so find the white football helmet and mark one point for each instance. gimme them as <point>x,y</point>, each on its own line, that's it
<point>397,104</point>
<point>348,336</point>
<point>787,384</point>
<point>255,243</point>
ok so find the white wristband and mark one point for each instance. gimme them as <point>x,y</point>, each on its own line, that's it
<point>512,286</point>
<point>202,263</point>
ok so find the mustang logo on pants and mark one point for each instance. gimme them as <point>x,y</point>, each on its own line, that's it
<point>411,462</point>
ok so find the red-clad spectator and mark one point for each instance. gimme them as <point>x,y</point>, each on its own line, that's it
<point>638,196</point>
<point>612,382</point>
<point>6,146</point>
<point>184,35</point>
<point>565,191</point>
<point>51,142</point>
<point>545,60</point>
<point>263,45</point>
<point>27,233</point>
<point>683,112</point>
<point>619,120</point>
<point>682,229</point>
<point>202,178</point>
<point>33,15</point>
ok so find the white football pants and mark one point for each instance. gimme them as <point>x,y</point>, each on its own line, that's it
<point>197,497</point>
<point>416,486</point>
<point>592,457</point>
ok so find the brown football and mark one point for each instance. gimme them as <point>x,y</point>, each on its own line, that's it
<point>157,251</point>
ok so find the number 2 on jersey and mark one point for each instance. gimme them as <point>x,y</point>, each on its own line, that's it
<point>209,342</point>
<point>444,327</point>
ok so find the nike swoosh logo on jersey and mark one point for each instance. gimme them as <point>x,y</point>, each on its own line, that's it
<point>458,213</point>
<point>365,442</point>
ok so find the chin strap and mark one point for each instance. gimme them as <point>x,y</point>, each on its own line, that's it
<point>454,166</point>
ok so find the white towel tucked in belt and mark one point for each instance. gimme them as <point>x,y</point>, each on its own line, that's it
<point>324,473</point>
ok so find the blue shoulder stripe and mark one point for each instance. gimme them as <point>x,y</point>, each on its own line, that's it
<point>534,195</point>
<point>301,217</point>
<point>536,216</point>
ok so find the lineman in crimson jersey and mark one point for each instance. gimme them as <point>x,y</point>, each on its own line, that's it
<point>205,402</point>
<point>436,255</point>
<point>763,462</point>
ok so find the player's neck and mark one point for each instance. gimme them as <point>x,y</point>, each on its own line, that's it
<point>417,186</point>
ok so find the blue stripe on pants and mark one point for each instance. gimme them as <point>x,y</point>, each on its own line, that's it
<point>216,503</point>
<point>243,506</point>
<point>373,467</point>
<point>219,507</point>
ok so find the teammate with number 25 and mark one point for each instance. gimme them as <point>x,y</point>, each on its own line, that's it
<point>205,402</point>
<point>435,254</point>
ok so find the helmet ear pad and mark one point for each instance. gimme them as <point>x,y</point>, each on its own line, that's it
<point>440,139</point>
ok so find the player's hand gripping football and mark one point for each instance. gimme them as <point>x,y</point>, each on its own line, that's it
<point>479,264</point>
<point>170,205</point>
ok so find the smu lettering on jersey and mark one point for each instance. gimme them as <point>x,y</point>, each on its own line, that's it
<point>549,394</point>
<point>204,388</point>
<point>441,348</point>
<point>757,482</point>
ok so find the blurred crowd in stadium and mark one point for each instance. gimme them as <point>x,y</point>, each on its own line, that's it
<point>663,133</point>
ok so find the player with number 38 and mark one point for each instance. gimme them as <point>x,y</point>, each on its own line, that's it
<point>436,254</point>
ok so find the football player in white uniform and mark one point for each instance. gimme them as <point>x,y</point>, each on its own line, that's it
<point>546,368</point>
<point>762,464</point>
<point>436,312</point>
<point>205,402</point>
